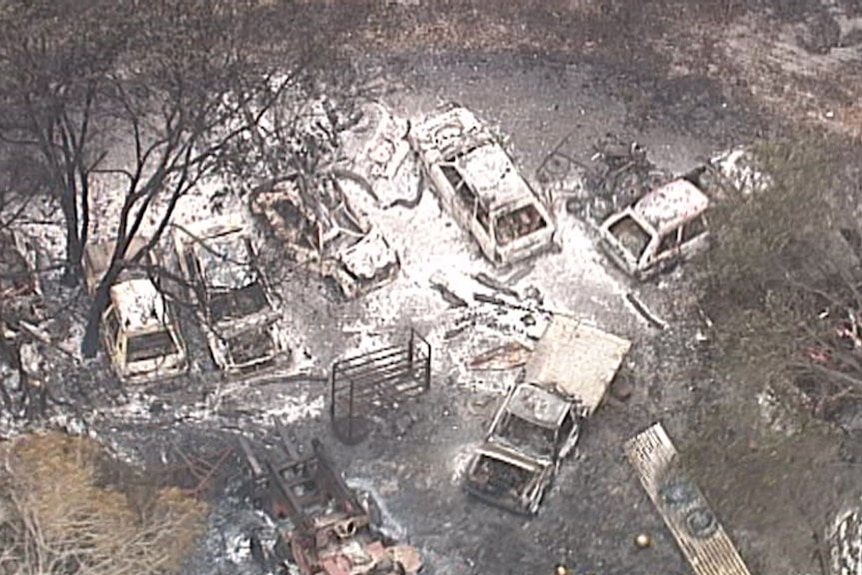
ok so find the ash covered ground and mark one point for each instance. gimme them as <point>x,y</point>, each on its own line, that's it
<point>535,91</point>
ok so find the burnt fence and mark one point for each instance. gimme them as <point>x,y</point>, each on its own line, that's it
<point>377,381</point>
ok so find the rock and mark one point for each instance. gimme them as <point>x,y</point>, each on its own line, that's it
<point>622,388</point>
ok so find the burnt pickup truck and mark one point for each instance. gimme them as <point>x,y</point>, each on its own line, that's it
<point>540,420</point>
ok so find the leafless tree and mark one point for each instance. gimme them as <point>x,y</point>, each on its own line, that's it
<point>53,56</point>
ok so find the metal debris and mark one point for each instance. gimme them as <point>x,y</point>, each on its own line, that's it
<point>375,381</point>
<point>508,356</point>
<point>642,309</point>
<point>322,526</point>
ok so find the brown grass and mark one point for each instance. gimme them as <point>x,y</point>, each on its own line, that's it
<point>58,518</point>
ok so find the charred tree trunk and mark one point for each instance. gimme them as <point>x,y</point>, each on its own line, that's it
<point>73,271</point>
<point>90,344</point>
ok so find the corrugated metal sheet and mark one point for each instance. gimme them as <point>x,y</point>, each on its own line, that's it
<point>685,511</point>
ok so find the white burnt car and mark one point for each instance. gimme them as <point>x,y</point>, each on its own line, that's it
<point>540,421</point>
<point>659,230</point>
<point>325,233</point>
<point>139,329</point>
<point>235,305</point>
<point>477,182</point>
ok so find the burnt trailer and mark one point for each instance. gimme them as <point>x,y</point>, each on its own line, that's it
<point>323,528</point>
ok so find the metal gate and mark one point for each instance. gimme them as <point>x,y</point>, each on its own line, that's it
<point>377,380</point>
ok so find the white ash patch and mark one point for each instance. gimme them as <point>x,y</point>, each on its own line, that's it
<point>459,461</point>
<point>290,409</point>
<point>238,548</point>
<point>776,416</point>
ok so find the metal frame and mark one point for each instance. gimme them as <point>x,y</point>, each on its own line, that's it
<point>374,380</point>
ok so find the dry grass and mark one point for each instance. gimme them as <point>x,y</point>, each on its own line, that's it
<point>58,518</point>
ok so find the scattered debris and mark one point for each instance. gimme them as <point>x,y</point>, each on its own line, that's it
<point>539,422</point>
<point>845,543</point>
<point>235,305</point>
<point>642,309</point>
<point>477,182</point>
<point>379,379</point>
<point>613,177</point>
<point>17,267</point>
<point>686,512</point>
<point>507,356</point>
<point>322,526</point>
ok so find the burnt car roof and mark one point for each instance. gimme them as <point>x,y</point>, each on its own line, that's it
<point>457,137</point>
<point>668,206</point>
<point>220,245</point>
<point>139,304</point>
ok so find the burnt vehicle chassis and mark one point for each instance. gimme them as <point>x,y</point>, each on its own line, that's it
<point>238,311</point>
<point>315,221</point>
<point>322,526</point>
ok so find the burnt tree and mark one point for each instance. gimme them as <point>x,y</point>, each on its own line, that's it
<point>177,110</point>
<point>53,56</point>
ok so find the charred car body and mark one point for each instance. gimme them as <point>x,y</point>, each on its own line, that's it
<point>322,526</point>
<point>234,301</point>
<point>321,229</point>
<point>139,329</point>
<point>540,421</point>
<point>659,230</point>
<point>479,185</point>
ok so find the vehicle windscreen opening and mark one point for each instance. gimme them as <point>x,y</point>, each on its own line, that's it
<point>518,223</point>
<point>150,346</point>
<point>631,235</point>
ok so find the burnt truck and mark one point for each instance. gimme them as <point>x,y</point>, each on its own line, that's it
<point>139,329</point>
<point>322,525</point>
<point>235,304</point>
<point>540,420</point>
<point>478,184</point>
<point>321,230</point>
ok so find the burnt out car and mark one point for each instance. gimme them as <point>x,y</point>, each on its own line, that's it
<point>540,420</point>
<point>478,184</point>
<point>235,305</point>
<point>321,230</point>
<point>661,229</point>
<point>139,329</point>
